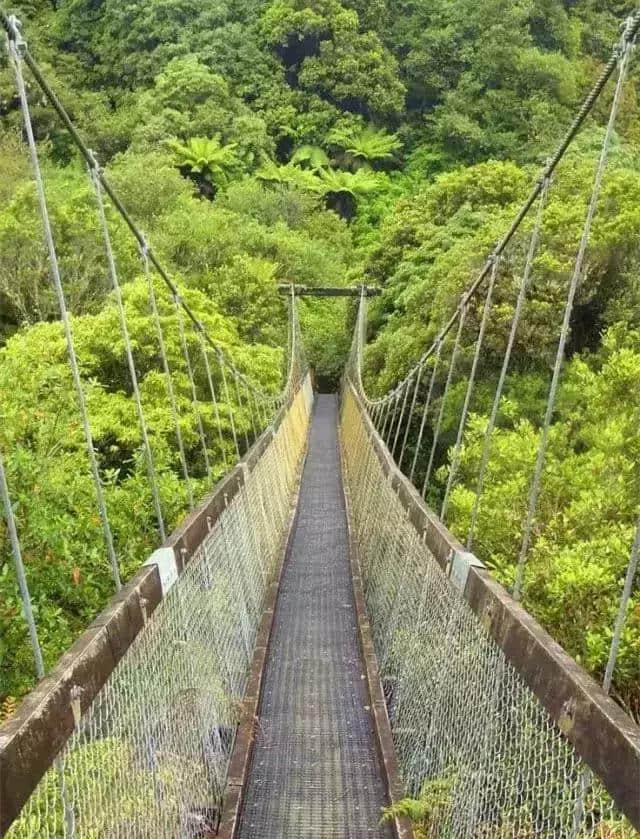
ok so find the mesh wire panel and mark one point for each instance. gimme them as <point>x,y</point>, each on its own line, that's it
<point>315,771</point>
<point>149,758</point>
<point>474,743</point>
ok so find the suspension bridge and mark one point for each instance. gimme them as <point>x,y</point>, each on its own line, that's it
<point>312,644</point>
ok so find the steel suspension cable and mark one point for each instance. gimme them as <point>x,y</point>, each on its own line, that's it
<point>16,48</point>
<point>18,564</point>
<point>34,640</point>
<point>401,418</point>
<point>133,374</point>
<point>167,374</point>
<point>625,597</point>
<point>394,413</point>
<point>227,397</point>
<point>241,407</point>
<point>214,398</point>
<point>427,405</point>
<point>455,460</point>
<point>627,49</point>
<point>192,383</point>
<point>391,415</point>
<point>515,323</point>
<point>12,27</point>
<point>631,31</point>
<point>586,778</point>
<point>251,414</point>
<point>452,366</point>
<point>411,412</point>
<point>259,414</point>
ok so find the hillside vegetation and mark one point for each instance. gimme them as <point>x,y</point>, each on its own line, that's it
<point>322,143</point>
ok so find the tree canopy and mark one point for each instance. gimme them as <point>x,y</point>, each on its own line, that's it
<point>322,142</point>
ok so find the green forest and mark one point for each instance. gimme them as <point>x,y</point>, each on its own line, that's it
<point>323,143</point>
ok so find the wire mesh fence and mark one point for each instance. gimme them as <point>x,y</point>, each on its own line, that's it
<point>139,403</point>
<point>150,756</point>
<point>475,746</point>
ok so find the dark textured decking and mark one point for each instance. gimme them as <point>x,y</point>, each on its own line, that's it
<point>315,771</point>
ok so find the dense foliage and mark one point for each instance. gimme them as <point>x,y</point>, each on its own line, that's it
<point>323,142</point>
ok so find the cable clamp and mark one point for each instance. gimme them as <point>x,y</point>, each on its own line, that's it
<point>546,177</point>
<point>628,39</point>
<point>92,162</point>
<point>143,247</point>
<point>15,35</point>
<point>630,33</point>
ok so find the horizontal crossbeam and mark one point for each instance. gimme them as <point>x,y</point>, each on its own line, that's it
<point>307,291</point>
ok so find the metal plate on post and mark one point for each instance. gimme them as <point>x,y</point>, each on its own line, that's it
<point>461,563</point>
<point>165,560</point>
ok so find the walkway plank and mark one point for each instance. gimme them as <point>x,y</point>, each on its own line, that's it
<point>315,772</point>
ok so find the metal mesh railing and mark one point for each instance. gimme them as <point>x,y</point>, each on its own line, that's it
<point>475,745</point>
<point>150,756</point>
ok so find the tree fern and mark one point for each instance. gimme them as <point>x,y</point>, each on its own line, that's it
<point>344,189</point>
<point>288,175</point>
<point>363,148</point>
<point>314,156</point>
<point>206,161</point>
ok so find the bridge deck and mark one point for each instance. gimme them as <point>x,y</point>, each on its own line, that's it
<point>315,771</point>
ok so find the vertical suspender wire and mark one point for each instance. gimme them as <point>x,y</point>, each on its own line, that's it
<point>167,374</point>
<point>241,407</point>
<point>295,361</point>
<point>36,649</point>
<point>625,597</point>
<point>379,414</point>
<point>515,323</point>
<point>627,49</point>
<point>411,412</point>
<point>227,396</point>
<point>214,398</point>
<point>377,411</point>
<point>425,410</point>
<point>286,362</point>
<point>133,375</point>
<point>393,414</point>
<point>455,459</point>
<point>258,406</point>
<point>260,413</point>
<point>387,413</point>
<point>18,563</point>
<point>614,650</point>
<point>452,366</point>
<point>16,62</point>
<point>407,386</point>
<point>11,26</point>
<point>247,390</point>
<point>194,392</point>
